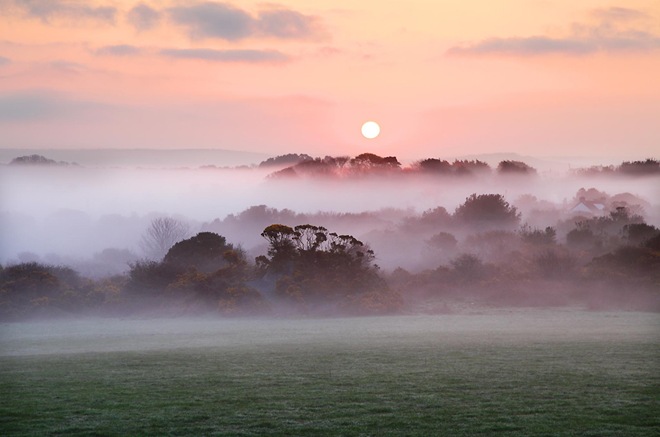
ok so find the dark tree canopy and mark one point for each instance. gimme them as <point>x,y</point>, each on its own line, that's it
<point>443,241</point>
<point>538,236</point>
<point>515,167</point>
<point>314,268</point>
<point>285,160</point>
<point>27,286</point>
<point>204,252</point>
<point>640,168</point>
<point>467,166</point>
<point>36,160</point>
<point>204,267</point>
<point>639,233</point>
<point>370,160</point>
<point>488,210</point>
<point>433,165</point>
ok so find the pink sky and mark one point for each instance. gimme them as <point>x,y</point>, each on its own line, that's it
<point>443,78</point>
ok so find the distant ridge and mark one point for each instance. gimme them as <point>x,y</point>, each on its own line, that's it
<point>152,158</point>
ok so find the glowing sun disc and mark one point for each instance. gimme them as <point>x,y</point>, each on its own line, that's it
<point>370,130</point>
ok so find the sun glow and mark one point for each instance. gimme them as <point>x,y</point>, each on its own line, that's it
<point>370,130</point>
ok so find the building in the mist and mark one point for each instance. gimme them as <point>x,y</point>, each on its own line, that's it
<point>588,207</point>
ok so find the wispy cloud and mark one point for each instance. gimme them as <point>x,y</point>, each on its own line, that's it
<point>143,17</point>
<point>118,50</point>
<point>611,34</point>
<point>214,20</point>
<point>228,22</point>
<point>535,45</point>
<point>4,61</point>
<point>286,23</point>
<point>47,10</point>
<point>618,14</point>
<point>248,56</point>
<point>68,67</point>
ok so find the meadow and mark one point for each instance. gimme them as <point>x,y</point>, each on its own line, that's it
<point>519,372</point>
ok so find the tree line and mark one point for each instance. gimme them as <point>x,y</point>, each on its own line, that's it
<point>613,259</point>
<point>301,165</point>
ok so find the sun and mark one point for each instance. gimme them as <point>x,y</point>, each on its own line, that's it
<point>370,130</point>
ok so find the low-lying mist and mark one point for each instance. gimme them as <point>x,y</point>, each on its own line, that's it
<point>76,212</point>
<point>331,236</point>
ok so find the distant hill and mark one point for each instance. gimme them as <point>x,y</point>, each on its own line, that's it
<point>38,160</point>
<point>153,158</point>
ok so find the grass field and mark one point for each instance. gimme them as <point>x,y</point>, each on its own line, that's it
<point>524,373</point>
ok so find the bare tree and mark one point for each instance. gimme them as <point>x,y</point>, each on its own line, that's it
<point>161,234</point>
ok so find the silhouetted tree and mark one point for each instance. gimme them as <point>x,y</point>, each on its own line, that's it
<point>469,167</point>
<point>204,252</point>
<point>370,160</point>
<point>37,160</point>
<point>285,160</point>
<point>314,268</point>
<point>281,250</point>
<point>582,238</point>
<point>433,166</point>
<point>27,287</point>
<point>430,220</point>
<point>204,268</point>
<point>443,240</point>
<point>161,234</point>
<point>515,167</point>
<point>148,277</point>
<point>555,264</point>
<point>639,233</point>
<point>538,236</point>
<point>640,168</point>
<point>468,268</point>
<point>487,210</point>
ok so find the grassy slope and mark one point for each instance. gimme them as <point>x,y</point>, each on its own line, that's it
<point>368,377</point>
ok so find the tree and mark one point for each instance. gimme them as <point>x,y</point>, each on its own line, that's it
<point>639,233</point>
<point>640,168</point>
<point>468,268</point>
<point>443,241</point>
<point>204,269</point>
<point>555,263</point>
<point>370,160</point>
<point>161,234</point>
<point>36,160</point>
<point>488,211</point>
<point>515,167</point>
<point>205,252</point>
<point>314,269</point>
<point>433,166</point>
<point>28,286</point>
<point>537,236</point>
<point>430,220</point>
<point>582,238</point>
<point>370,164</point>
<point>285,160</point>
<point>468,167</point>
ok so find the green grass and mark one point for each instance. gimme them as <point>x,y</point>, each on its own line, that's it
<point>389,376</point>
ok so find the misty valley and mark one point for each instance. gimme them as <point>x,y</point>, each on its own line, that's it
<point>297,235</point>
<point>329,296</point>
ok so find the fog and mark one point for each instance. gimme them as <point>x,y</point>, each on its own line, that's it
<point>75,212</point>
<point>471,328</point>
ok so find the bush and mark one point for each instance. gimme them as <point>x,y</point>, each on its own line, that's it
<point>27,286</point>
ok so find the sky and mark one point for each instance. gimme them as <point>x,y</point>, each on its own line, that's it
<point>442,78</point>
